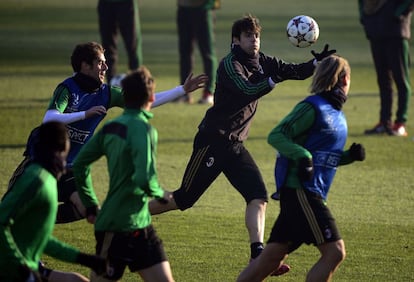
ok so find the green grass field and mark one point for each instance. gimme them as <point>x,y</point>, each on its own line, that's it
<point>372,201</point>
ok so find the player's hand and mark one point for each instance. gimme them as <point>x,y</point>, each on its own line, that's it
<point>195,83</point>
<point>94,111</point>
<point>357,152</point>
<point>91,213</point>
<point>305,169</point>
<point>91,219</point>
<point>325,53</point>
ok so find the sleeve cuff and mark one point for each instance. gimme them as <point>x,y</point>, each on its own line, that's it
<point>272,83</point>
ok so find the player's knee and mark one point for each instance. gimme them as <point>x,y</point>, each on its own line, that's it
<point>337,252</point>
<point>341,254</point>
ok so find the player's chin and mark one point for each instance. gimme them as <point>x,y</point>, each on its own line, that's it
<point>254,51</point>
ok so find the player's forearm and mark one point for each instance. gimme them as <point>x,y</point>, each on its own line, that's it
<point>168,96</point>
<point>9,246</point>
<point>55,115</point>
<point>61,250</point>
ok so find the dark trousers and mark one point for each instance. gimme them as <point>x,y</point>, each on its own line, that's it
<point>196,25</point>
<point>120,16</point>
<point>392,61</point>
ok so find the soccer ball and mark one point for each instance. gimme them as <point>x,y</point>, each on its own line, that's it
<point>302,31</point>
<point>116,80</point>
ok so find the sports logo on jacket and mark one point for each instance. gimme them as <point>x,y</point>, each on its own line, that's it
<point>210,162</point>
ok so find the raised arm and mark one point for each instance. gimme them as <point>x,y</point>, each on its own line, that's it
<point>191,84</point>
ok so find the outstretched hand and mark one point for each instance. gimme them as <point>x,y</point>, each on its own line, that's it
<point>195,83</point>
<point>325,53</point>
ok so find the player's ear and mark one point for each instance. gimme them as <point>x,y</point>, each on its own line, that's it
<point>84,66</point>
<point>151,97</point>
<point>348,79</point>
<point>345,79</point>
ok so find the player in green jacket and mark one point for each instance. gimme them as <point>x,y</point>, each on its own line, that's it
<point>123,230</point>
<point>28,212</point>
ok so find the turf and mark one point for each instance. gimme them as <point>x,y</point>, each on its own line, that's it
<point>372,201</point>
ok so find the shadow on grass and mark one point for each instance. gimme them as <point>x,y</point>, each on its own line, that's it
<point>299,97</point>
<point>26,103</point>
<point>190,140</point>
<point>12,146</point>
<point>177,140</point>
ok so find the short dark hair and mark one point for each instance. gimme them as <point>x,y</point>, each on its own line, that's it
<point>53,141</point>
<point>248,23</point>
<point>137,87</point>
<point>85,52</point>
<point>52,136</point>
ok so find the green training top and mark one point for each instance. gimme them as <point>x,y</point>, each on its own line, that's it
<point>129,143</point>
<point>27,218</point>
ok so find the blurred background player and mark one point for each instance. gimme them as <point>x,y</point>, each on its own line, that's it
<point>123,230</point>
<point>387,25</point>
<point>195,24</point>
<point>120,17</point>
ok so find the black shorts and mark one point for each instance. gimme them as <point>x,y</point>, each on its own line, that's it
<point>66,186</point>
<point>138,250</point>
<point>212,156</point>
<point>304,218</point>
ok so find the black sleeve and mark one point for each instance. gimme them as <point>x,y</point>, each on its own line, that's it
<point>274,66</point>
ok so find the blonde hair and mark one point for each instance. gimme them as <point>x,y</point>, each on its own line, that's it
<point>328,73</point>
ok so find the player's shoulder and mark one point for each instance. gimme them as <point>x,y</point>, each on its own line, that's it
<point>62,88</point>
<point>114,89</point>
<point>36,176</point>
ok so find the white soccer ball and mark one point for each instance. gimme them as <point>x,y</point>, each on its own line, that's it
<point>302,31</point>
<point>116,80</point>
